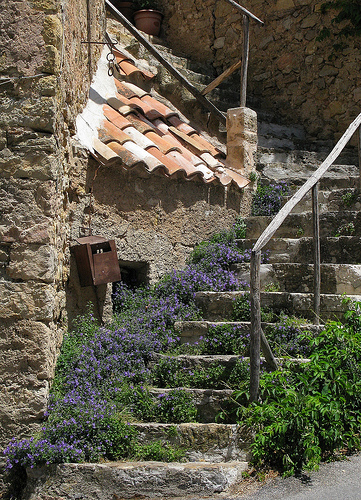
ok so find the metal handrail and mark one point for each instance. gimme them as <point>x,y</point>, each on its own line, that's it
<point>310,184</point>
<point>200,96</point>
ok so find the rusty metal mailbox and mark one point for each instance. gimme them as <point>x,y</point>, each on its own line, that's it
<point>96,260</point>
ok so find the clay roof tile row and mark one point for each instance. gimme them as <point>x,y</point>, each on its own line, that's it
<point>139,131</point>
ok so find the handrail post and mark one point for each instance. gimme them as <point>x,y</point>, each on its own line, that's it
<point>245,61</point>
<point>359,153</point>
<point>255,340</point>
<point>316,255</point>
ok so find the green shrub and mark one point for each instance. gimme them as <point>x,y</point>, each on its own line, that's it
<point>311,411</point>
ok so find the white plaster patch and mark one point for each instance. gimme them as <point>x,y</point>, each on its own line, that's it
<point>102,88</point>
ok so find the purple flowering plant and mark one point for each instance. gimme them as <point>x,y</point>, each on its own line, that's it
<point>268,199</point>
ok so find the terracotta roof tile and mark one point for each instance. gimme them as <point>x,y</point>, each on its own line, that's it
<point>109,132</point>
<point>140,123</point>
<point>103,152</point>
<point>190,169</point>
<point>115,117</point>
<point>141,139</point>
<point>123,89</point>
<point>162,143</point>
<point>134,155</point>
<point>161,126</point>
<point>135,89</point>
<point>162,109</point>
<point>127,67</point>
<point>150,112</point>
<point>140,132</point>
<point>128,158</point>
<point>206,145</point>
<point>171,166</point>
<point>123,105</point>
<point>180,125</point>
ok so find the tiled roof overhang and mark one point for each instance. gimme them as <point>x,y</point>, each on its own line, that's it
<point>135,129</point>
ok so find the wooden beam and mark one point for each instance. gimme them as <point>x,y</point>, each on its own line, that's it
<point>311,181</point>
<point>267,353</point>
<point>221,77</point>
<point>173,71</point>
<point>316,255</point>
<point>245,11</point>
<point>255,339</point>
<point>245,61</point>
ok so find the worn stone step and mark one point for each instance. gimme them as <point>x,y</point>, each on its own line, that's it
<point>342,249</point>
<point>294,277</point>
<point>207,401</point>
<point>125,480</point>
<point>217,306</point>
<point>273,135</point>
<point>295,172</point>
<point>194,331</point>
<point>295,225</point>
<point>330,201</point>
<point>201,442</point>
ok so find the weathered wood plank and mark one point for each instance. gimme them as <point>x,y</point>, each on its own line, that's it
<point>267,353</point>
<point>313,179</point>
<point>217,81</point>
<point>359,154</point>
<point>173,71</point>
<point>245,58</point>
<point>245,11</point>
<point>316,255</point>
<point>255,340</point>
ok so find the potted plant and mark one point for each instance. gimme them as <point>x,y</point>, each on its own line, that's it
<point>147,17</point>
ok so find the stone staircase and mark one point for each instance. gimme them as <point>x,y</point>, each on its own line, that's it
<point>216,454</point>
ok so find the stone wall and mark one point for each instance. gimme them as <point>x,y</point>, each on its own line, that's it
<point>45,74</point>
<point>155,222</point>
<point>291,74</point>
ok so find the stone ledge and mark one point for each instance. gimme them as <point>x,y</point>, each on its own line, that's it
<point>126,480</point>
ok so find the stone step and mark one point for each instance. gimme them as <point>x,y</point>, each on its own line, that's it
<point>331,201</point>
<point>216,306</point>
<point>273,135</point>
<point>191,332</point>
<point>342,249</point>
<point>332,224</point>
<point>296,169</point>
<point>207,401</point>
<point>201,442</point>
<point>293,277</point>
<point>125,480</point>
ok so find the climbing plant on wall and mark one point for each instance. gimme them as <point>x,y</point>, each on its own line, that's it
<point>347,21</point>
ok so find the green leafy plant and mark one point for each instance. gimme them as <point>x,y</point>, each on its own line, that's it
<point>346,23</point>
<point>272,287</point>
<point>310,411</point>
<point>345,230</point>
<point>240,228</point>
<point>158,451</point>
<point>349,198</point>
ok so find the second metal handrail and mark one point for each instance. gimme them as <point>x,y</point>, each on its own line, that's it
<point>310,184</point>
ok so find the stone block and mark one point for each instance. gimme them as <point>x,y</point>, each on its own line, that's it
<point>241,139</point>
<point>52,60</point>
<point>284,5</point>
<point>32,262</point>
<point>52,31</point>
<point>45,5</point>
<point>27,301</point>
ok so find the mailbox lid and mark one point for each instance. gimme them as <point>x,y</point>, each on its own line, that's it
<point>96,260</point>
<point>106,265</point>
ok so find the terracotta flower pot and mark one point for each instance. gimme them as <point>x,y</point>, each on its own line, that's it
<point>148,21</point>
